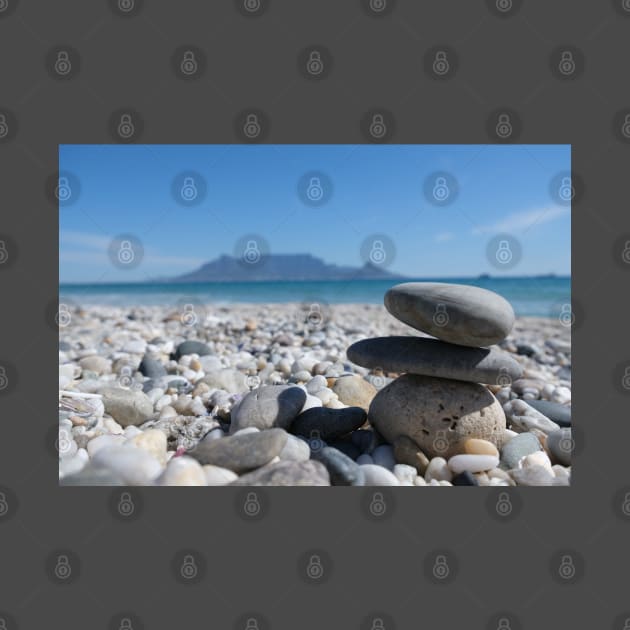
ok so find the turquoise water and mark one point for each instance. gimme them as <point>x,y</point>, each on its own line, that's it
<point>536,296</point>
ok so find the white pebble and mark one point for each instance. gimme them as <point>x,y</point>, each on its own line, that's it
<point>182,471</point>
<point>561,395</point>
<point>438,470</point>
<point>419,481</point>
<point>540,458</point>
<point>131,431</point>
<point>103,441</point>
<point>112,426</point>
<point>311,401</point>
<point>217,476</point>
<point>472,463</point>
<point>136,466</point>
<point>378,476</point>
<point>405,474</point>
<point>163,401</point>
<point>316,384</point>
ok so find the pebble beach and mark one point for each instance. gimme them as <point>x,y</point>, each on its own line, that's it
<point>411,393</point>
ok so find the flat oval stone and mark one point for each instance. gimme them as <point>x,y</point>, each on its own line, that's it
<point>516,448</point>
<point>436,413</point>
<point>329,423</point>
<point>472,463</point>
<point>457,313</point>
<point>127,406</point>
<point>152,367</point>
<point>474,446</point>
<point>287,473</point>
<point>243,452</point>
<point>431,357</point>
<point>354,390</point>
<point>269,406</point>
<point>342,470</point>
<point>192,347</point>
<point>560,414</point>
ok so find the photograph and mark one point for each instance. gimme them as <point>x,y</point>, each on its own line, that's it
<point>314,315</point>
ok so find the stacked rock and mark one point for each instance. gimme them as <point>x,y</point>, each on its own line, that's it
<point>440,405</point>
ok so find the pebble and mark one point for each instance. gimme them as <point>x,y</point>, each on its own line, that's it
<point>151,367</point>
<point>384,456</point>
<point>92,475</point>
<point>342,470</point>
<point>533,476</point>
<point>134,465</point>
<point>103,441</point>
<point>472,463</point>
<point>460,314</point>
<point>182,471</point>
<point>560,414</point>
<point>364,459</point>
<point>311,402</point>
<point>231,381</point>
<point>192,347</point>
<point>518,447</point>
<point>346,447</point>
<point>295,449</point>
<point>438,414</point>
<point>218,476</point>
<point>354,390</point>
<point>269,406</point>
<point>406,451</point>
<point>287,473</point>
<point>365,440</point>
<point>525,418</point>
<point>153,441</point>
<point>560,445</point>
<point>561,395</point>
<point>316,384</point>
<point>465,478</point>
<point>135,346</point>
<point>405,474</point>
<point>97,364</point>
<point>540,458</point>
<point>241,453</point>
<point>73,465</point>
<point>329,423</point>
<point>474,446</point>
<point>438,470</point>
<point>378,476</point>
<point>431,357</point>
<point>126,406</point>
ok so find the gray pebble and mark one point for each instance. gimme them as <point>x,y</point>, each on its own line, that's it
<point>342,470</point>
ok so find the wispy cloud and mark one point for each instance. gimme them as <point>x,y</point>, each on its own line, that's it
<point>523,221</point>
<point>443,237</point>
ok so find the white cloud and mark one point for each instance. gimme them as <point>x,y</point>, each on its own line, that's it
<point>443,237</point>
<point>522,221</point>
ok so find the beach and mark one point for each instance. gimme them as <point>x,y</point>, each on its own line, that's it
<point>141,387</point>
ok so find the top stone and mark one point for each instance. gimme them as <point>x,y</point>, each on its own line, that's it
<point>457,313</point>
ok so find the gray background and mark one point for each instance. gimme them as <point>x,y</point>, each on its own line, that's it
<point>377,565</point>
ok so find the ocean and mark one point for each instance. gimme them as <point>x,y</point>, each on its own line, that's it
<point>544,296</point>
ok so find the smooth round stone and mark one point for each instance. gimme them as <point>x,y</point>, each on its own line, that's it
<point>354,390</point>
<point>457,313</point>
<point>540,458</point>
<point>269,406</point>
<point>295,449</point>
<point>533,476</point>
<point>378,476</point>
<point>241,453</point>
<point>406,451</point>
<point>126,406</point>
<point>364,459</point>
<point>94,476</point>
<point>192,347</point>
<point>95,363</point>
<point>516,448</point>
<point>103,441</point>
<point>431,357</point>
<point>438,470</point>
<point>151,367</point>
<point>309,473</point>
<point>316,384</point>
<point>182,471</point>
<point>560,445</point>
<point>472,463</point>
<point>560,414</point>
<point>153,441</point>
<point>474,446</point>
<point>436,413</point>
<point>217,476</point>
<point>342,470</point>
<point>329,423</point>
<point>135,465</point>
<point>310,402</point>
<point>384,456</point>
<point>465,478</point>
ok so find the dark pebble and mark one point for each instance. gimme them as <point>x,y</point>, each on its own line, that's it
<point>465,479</point>
<point>147,386</point>
<point>64,346</point>
<point>330,423</point>
<point>192,347</point>
<point>151,367</point>
<point>342,470</point>
<point>347,448</point>
<point>560,414</point>
<point>525,350</point>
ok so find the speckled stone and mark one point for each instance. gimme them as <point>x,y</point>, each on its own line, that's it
<point>287,473</point>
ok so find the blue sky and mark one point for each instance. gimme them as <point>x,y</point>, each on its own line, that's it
<point>254,189</point>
